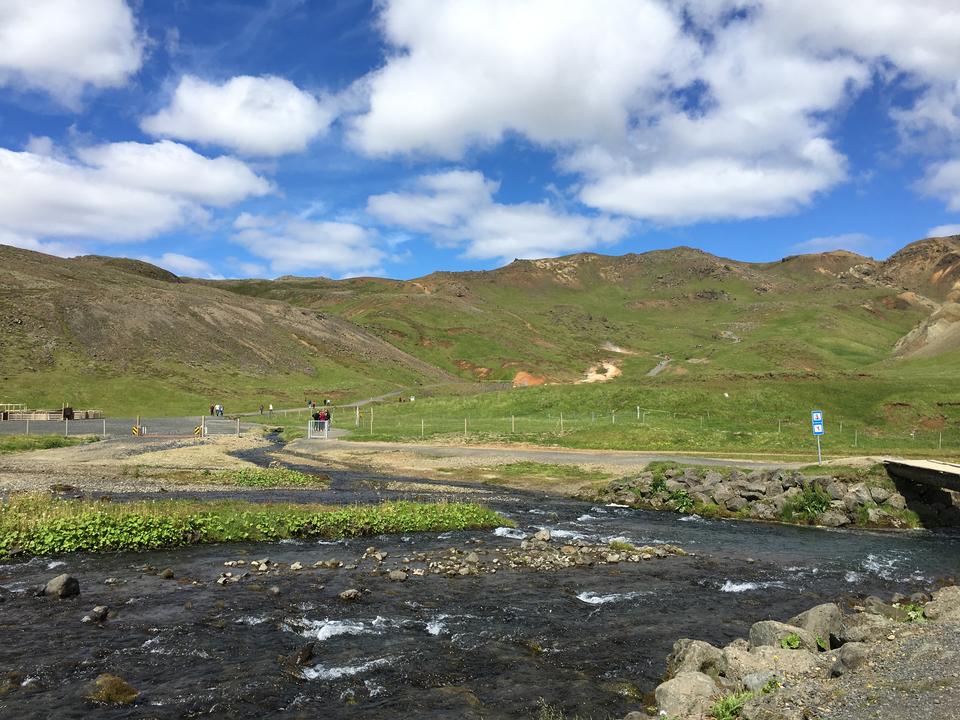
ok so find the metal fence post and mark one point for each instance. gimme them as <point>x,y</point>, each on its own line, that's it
<point>66,428</point>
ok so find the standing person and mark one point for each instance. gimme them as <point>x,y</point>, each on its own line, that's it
<point>261,408</point>
<point>212,408</point>
<point>270,410</point>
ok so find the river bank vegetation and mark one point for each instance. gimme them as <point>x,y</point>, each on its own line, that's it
<point>25,443</point>
<point>36,524</point>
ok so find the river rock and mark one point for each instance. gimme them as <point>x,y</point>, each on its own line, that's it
<point>945,604</point>
<point>771,632</point>
<point>693,656</point>
<point>764,510</point>
<point>722,494</point>
<point>880,494</point>
<point>97,615</point>
<point>351,595</point>
<point>737,663</point>
<point>755,682</point>
<point>865,627</point>
<point>689,693</point>
<point>836,490</point>
<point>62,586</point>
<point>849,657</point>
<point>735,503</point>
<point>542,535</point>
<point>833,518</point>
<point>296,566</point>
<point>167,574</point>
<point>472,558</point>
<point>876,606</point>
<point>897,501</point>
<point>823,621</point>
<point>857,495</point>
<point>753,491</point>
<point>397,575</point>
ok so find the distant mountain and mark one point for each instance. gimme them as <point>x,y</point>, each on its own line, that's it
<point>109,327</point>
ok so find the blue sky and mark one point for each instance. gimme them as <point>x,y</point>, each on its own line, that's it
<point>229,138</point>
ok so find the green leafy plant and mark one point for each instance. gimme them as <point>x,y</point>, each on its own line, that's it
<point>659,484</point>
<point>622,546</point>
<point>771,686</point>
<point>275,477</point>
<point>822,644</point>
<point>790,642</point>
<point>914,612</point>
<point>730,707</point>
<point>37,524</point>
<point>809,505</point>
<point>681,501</point>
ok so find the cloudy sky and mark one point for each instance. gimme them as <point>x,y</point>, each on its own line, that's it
<point>229,138</point>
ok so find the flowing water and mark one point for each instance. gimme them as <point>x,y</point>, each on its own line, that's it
<point>588,640</point>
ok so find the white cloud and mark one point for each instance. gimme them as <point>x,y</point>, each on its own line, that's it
<point>253,115</point>
<point>173,169</point>
<point>469,71</point>
<point>457,208</point>
<point>182,265</point>
<point>62,46</point>
<point>61,249</point>
<point>942,180</point>
<point>846,241</point>
<point>660,120</point>
<point>296,246</point>
<point>115,193</point>
<point>944,230</point>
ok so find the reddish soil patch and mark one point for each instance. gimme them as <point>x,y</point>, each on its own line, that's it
<point>938,422</point>
<point>480,372</point>
<point>525,379</point>
<point>894,412</point>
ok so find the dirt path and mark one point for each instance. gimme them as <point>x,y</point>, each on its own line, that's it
<point>555,456</point>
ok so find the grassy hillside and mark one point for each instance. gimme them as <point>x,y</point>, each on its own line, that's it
<point>740,345</point>
<point>807,315</point>
<point>127,337</point>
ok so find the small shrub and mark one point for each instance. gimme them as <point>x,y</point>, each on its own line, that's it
<point>808,506</point>
<point>622,546</point>
<point>914,613</point>
<point>681,501</point>
<point>790,642</point>
<point>658,485</point>
<point>112,690</point>
<point>731,706</point>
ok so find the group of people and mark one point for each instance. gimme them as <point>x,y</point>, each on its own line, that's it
<point>322,416</point>
<point>270,410</point>
<point>216,410</point>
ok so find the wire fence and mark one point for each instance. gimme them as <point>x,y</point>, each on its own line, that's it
<point>654,428</point>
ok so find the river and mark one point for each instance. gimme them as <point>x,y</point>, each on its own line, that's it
<point>584,640</point>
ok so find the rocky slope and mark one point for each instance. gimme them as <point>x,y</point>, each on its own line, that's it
<point>876,660</point>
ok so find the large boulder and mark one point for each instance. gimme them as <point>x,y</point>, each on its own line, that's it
<point>876,606</point>
<point>897,501</point>
<point>735,503</point>
<point>865,627</point>
<point>62,586</point>
<point>693,656</point>
<point>689,693</point>
<point>823,621</point>
<point>833,518</point>
<point>836,490</point>
<point>857,496</point>
<point>945,604</point>
<point>771,633</point>
<point>753,490</point>
<point>738,663</point>
<point>880,494</point>
<point>850,657</point>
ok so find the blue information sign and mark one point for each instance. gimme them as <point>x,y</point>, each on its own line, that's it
<point>816,420</point>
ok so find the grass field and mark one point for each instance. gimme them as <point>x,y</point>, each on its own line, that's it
<point>904,413</point>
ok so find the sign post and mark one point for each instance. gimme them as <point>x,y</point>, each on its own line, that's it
<point>816,420</point>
